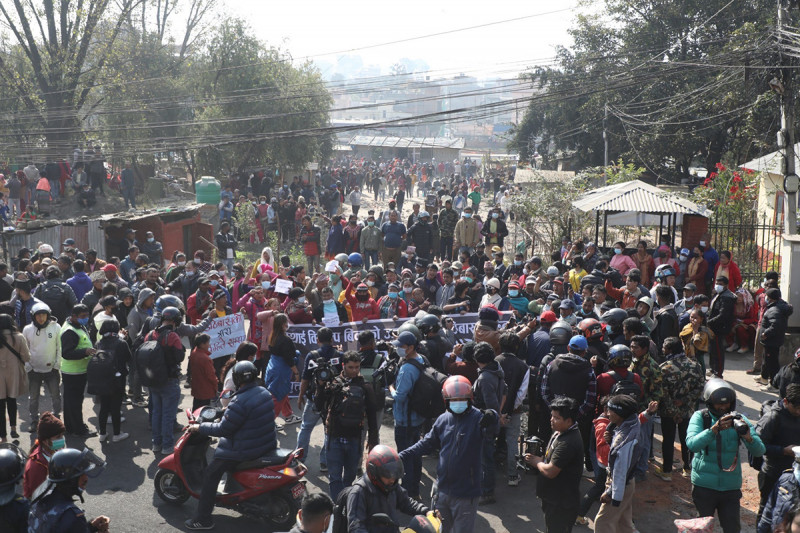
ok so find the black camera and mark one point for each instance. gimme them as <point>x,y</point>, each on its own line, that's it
<point>323,371</point>
<point>534,446</point>
<point>739,424</point>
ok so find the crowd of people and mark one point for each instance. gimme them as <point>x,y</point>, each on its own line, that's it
<point>574,357</point>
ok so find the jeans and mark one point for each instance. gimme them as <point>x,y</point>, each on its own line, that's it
<point>51,381</point>
<point>458,514</point>
<point>726,503</point>
<point>405,437</point>
<point>228,264</point>
<point>134,383</point>
<point>164,404</point>
<point>594,492</point>
<point>370,258</point>
<point>312,263</point>
<point>487,464</point>
<point>446,248</point>
<point>54,185</point>
<point>130,196</point>
<point>343,458</point>
<point>765,485</point>
<point>512,445</point>
<point>74,385</point>
<point>668,428</point>
<point>310,419</point>
<point>208,493</point>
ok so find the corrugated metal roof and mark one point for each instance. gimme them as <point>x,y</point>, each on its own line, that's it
<point>637,197</point>
<point>772,163</point>
<point>456,143</point>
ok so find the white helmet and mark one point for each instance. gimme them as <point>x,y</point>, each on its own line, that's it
<point>45,249</point>
<point>493,282</point>
<point>40,307</point>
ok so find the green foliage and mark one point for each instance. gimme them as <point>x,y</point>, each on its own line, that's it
<point>730,193</point>
<point>621,173</point>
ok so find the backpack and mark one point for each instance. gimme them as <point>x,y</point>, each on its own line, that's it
<point>625,385</point>
<point>426,396</point>
<point>349,404</point>
<point>55,296</point>
<point>151,363</point>
<point>340,510</point>
<point>100,373</point>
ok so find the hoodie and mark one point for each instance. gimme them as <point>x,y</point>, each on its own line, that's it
<point>138,314</point>
<point>45,347</point>
<point>647,319</point>
<point>571,375</point>
<point>774,323</point>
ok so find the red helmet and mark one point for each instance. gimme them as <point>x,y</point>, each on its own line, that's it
<point>383,462</point>
<point>591,328</point>
<point>457,388</point>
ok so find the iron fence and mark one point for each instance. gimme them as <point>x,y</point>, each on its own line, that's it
<point>754,242</point>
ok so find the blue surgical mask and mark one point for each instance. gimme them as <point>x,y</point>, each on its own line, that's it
<point>608,328</point>
<point>513,294</point>
<point>617,251</point>
<point>495,215</point>
<point>370,223</point>
<point>59,444</point>
<point>151,239</point>
<point>392,295</point>
<point>301,300</point>
<point>468,279</point>
<point>401,351</point>
<point>213,283</point>
<point>265,285</point>
<point>517,263</point>
<point>190,273</point>
<point>83,321</point>
<point>458,406</point>
<point>467,215</point>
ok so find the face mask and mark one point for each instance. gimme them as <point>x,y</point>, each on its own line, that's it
<point>517,263</point>
<point>370,223</point>
<point>459,406</point>
<point>401,351</point>
<point>190,273</point>
<point>301,300</point>
<point>181,263</point>
<point>151,239</point>
<point>213,283</point>
<point>683,258</point>
<point>704,309</point>
<point>327,302</point>
<point>513,294</point>
<point>83,321</point>
<point>495,215</point>
<point>370,283</point>
<point>617,251</point>
<point>718,288</point>
<point>59,444</point>
<point>468,279</point>
<point>392,295</point>
<point>263,203</point>
<point>197,261</point>
<point>467,215</point>
<point>265,285</point>
<point>702,243</point>
<point>608,328</point>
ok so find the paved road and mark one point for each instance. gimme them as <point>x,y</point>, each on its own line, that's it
<point>125,491</point>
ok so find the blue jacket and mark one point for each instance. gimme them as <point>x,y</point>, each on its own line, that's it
<point>459,439</point>
<point>247,429</point>
<point>407,376</point>
<point>81,284</point>
<point>780,501</point>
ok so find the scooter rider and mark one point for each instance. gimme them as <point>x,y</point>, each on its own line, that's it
<point>246,431</point>
<point>55,511</point>
<point>14,509</point>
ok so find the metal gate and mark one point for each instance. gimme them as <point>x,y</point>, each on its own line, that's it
<point>754,242</point>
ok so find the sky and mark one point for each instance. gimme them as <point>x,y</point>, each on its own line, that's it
<point>325,31</point>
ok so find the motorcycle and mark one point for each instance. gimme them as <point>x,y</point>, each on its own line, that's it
<point>269,489</point>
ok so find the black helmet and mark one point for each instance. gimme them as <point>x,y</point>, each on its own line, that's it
<point>560,333</point>
<point>428,324</point>
<point>409,326</point>
<point>717,390</point>
<point>383,462</point>
<point>171,313</point>
<point>12,466</point>
<point>70,463</point>
<point>168,300</point>
<point>620,356</point>
<point>244,372</point>
<point>614,317</point>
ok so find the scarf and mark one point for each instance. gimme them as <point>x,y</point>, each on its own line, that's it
<point>694,264</point>
<point>388,306</point>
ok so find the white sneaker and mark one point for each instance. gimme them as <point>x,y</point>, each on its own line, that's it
<point>732,348</point>
<point>292,419</point>
<point>103,437</point>
<point>121,436</point>
<point>121,419</point>
<point>743,349</point>
<point>768,388</point>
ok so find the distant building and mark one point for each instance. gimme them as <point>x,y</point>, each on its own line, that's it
<point>413,148</point>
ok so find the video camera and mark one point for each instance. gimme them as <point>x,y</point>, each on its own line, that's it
<point>323,369</point>
<point>534,446</point>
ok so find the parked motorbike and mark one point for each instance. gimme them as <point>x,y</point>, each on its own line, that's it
<point>269,489</point>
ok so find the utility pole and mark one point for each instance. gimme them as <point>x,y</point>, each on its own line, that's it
<point>786,136</point>
<point>605,137</point>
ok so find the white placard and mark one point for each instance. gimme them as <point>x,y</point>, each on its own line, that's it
<point>283,286</point>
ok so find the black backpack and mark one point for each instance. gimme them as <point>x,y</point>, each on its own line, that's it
<point>340,510</point>
<point>625,385</point>
<point>151,363</point>
<point>349,404</point>
<point>55,296</point>
<point>100,373</point>
<point>426,396</point>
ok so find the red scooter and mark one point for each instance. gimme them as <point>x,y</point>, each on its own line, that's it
<point>268,489</point>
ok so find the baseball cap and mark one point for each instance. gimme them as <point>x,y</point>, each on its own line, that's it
<point>566,304</point>
<point>110,268</point>
<point>690,287</point>
<point>548,316</point>
<point>552,271</point>
<point>578,342</point>
<point>406,338</point>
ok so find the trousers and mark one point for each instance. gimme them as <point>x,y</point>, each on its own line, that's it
<point>558,519</point>
<point>458,514</point>
<point>51,381</point>
<point>611,519</point>
<point>74,386</point>
<point>208,493</point>
<point>668,429</point>
<point>726,503</point>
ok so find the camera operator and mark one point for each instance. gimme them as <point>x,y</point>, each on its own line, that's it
<point>779,430</point>
<point>713,437</point>
<point>320,366</point>
<point>560,470</point>
<point>344,403</point>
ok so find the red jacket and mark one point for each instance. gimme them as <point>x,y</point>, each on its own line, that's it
<point>600,425</point>
<point>35,472</point>
<point>605,381</point>
<point>204,378</point>
<point>361,310</point>
<point>735,277</point>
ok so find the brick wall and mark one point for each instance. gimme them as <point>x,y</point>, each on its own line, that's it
<point>694,226</point>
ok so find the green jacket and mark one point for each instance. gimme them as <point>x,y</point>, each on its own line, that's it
<point>371,238</point>
<point>705,466</point>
